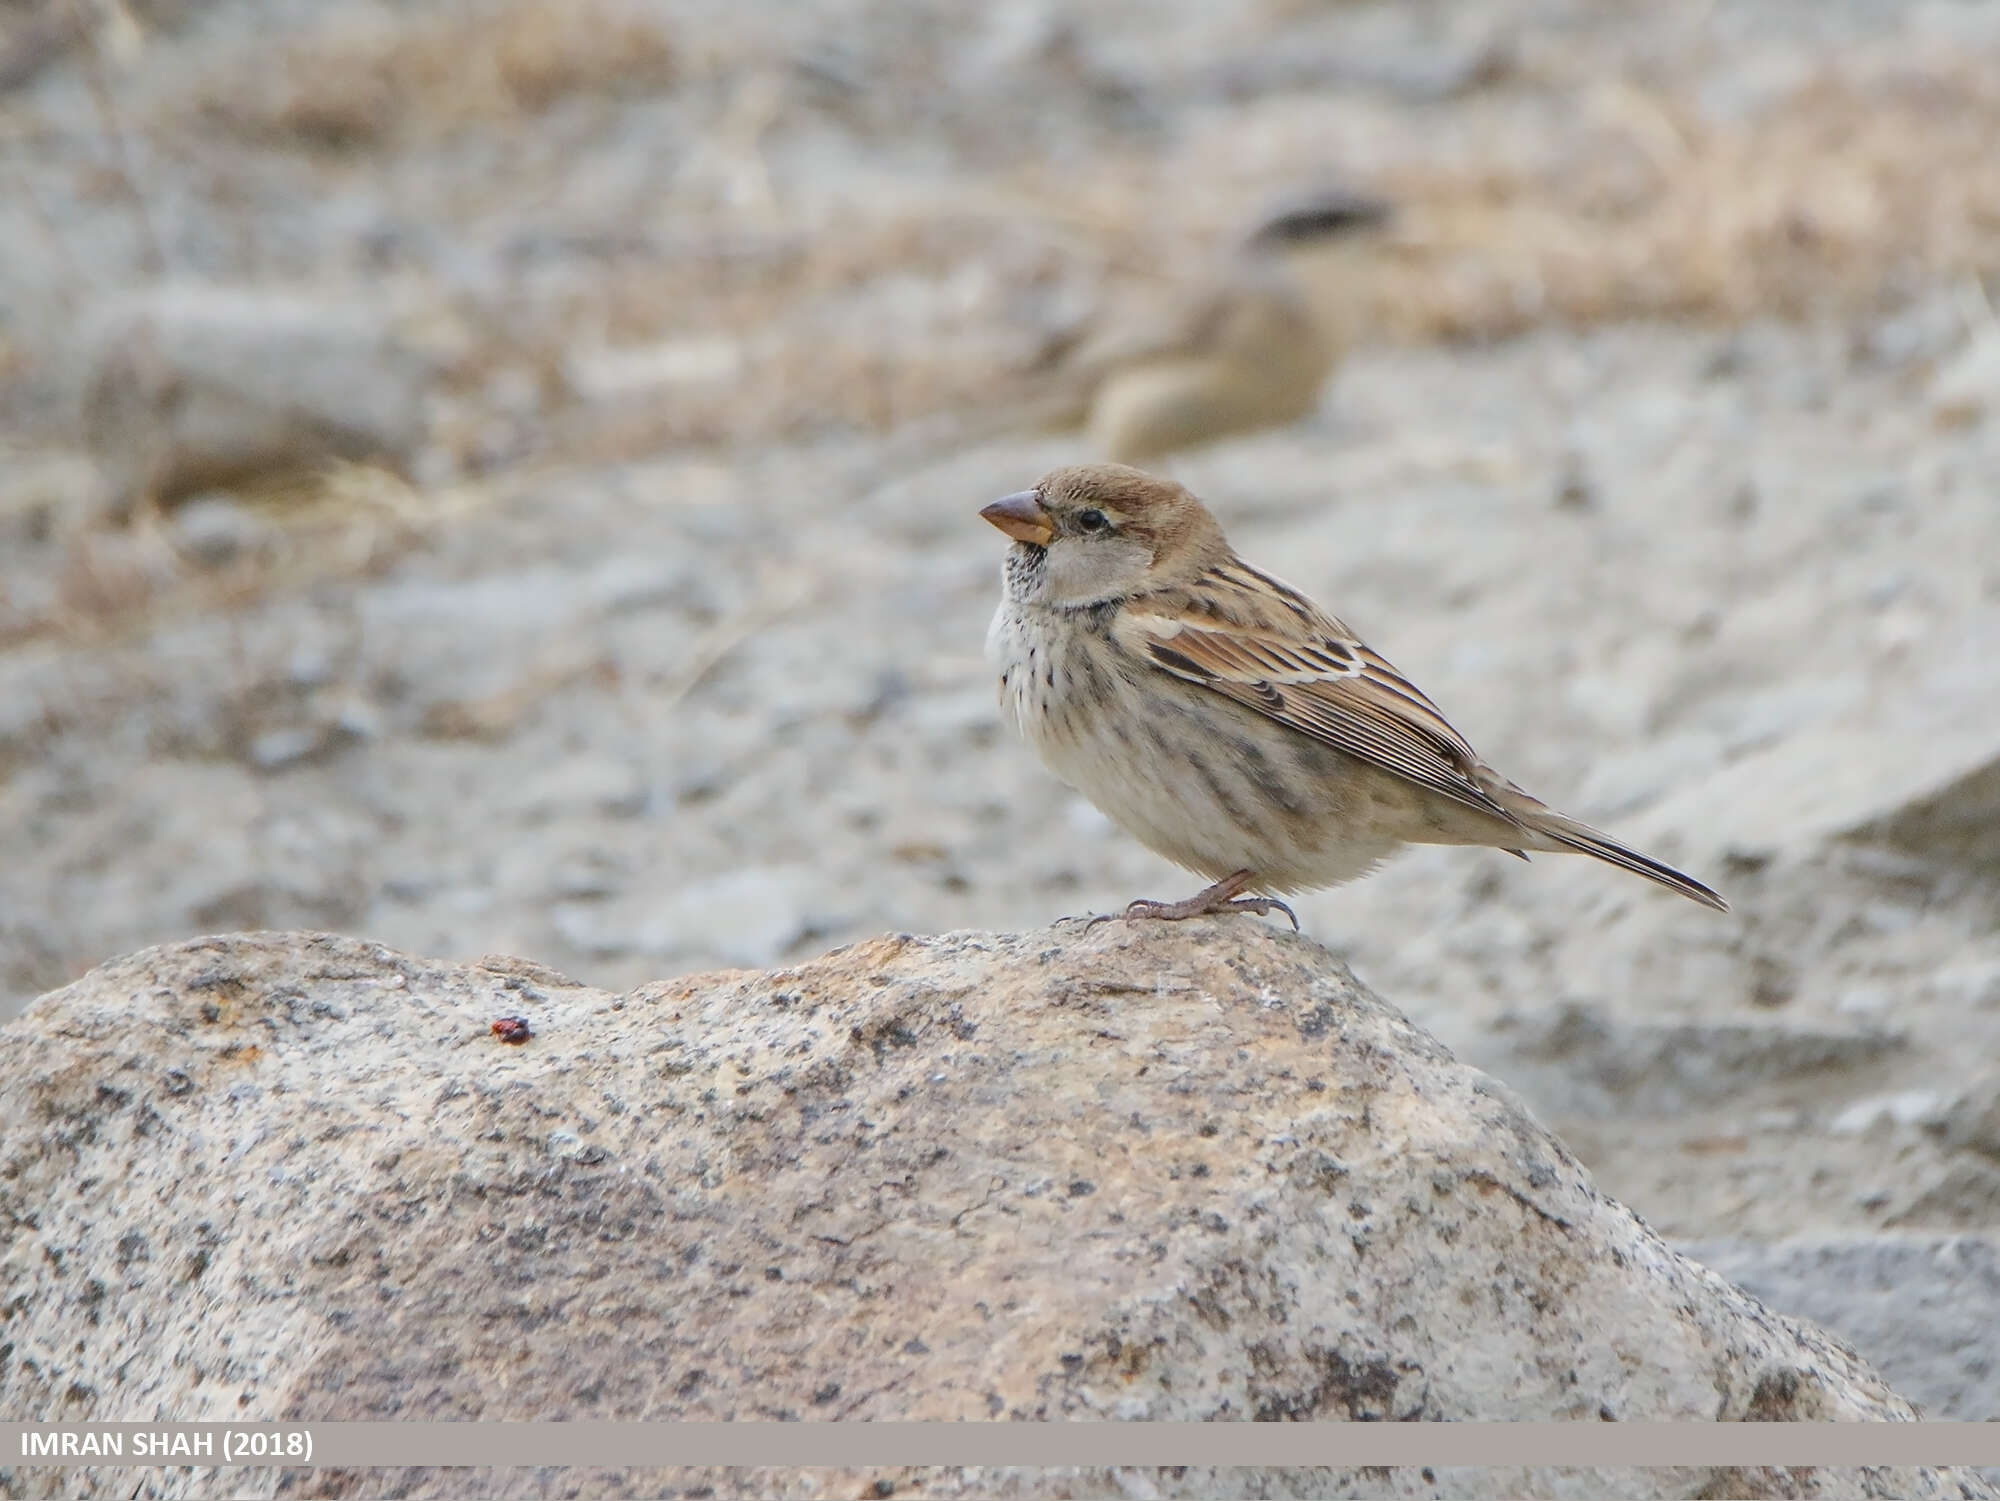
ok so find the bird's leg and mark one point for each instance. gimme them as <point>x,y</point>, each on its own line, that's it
<point>1221,897</point>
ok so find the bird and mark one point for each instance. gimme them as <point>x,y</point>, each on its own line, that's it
<point>1223,719</point>
<point>1238,351</point>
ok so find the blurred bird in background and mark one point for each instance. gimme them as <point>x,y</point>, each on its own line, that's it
<point>1242,349</point>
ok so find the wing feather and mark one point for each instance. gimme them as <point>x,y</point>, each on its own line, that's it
<point>1310,674</point>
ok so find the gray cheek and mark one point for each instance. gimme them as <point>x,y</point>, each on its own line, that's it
<point>1081,572</point>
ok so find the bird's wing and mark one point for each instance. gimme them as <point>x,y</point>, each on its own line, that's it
<point>1169,329</point>
<point>1067,374</point>
<point>1270,649</point>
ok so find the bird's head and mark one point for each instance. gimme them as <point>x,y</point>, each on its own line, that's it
<point>1309,218</point>
<point>1097,532</point>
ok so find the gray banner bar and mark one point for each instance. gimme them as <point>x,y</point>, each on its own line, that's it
<point>921,1444</point>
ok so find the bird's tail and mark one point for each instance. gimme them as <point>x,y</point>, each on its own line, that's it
<point>1580,838</point>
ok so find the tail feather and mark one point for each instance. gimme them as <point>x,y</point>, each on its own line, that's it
<point>1567,834</point>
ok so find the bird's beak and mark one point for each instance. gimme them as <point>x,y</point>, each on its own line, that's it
<point>1021,517</point>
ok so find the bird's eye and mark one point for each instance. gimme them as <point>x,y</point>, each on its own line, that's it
<point>1092,520</point>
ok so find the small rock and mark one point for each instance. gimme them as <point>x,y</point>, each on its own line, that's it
<point>584,783</point>
<point>953,715</point>
<point>214,530</point>
<point>1972,984</point>
<point>188,387</point>
<point>356,719</point>
<point>1866,1002</point>
<point>1574,491</point>
<point>1885,589</point>
<point>309,665</point>
<point>47,495</point>
<point>1967,388</point>
<point>1773,982</point>
<point>274,750</point>
<point>1910,1107</point>
<point>1963,1195</point>
<point>410,887</point>
<point>1972,1122</point>
<point>586,877</point>
<point>655,371</point>
<point>621,585</point>
<point>1921,332</point>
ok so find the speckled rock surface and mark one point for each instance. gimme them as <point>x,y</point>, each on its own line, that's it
<point>1190,1172</point>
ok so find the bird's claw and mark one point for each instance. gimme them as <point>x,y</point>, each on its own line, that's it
<point>1145,907</point>
<point>1264,906</point>
<point>1089,920</point>
<point>1221,897</point>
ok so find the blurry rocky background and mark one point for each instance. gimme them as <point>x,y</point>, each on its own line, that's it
<point>501,478</point>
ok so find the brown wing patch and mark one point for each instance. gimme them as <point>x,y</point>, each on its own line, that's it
<point>1327,686</point>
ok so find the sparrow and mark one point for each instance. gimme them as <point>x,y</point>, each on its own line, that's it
<point>1239,350</point>
<point>1225,720</point>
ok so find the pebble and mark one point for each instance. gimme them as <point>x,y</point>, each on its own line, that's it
<point>188,384</point>
<point>586,782</point>
<point>1972,1122</point>
<point>1867,1002</point>
<point>274,750</point>
<point>1973,984</point>
<point>1967,387</point>
<point>213,530</point>
<point>1910,1107</point>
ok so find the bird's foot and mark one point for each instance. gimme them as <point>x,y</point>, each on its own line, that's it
<point>1219,898</point>
<point>1196,906</point>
